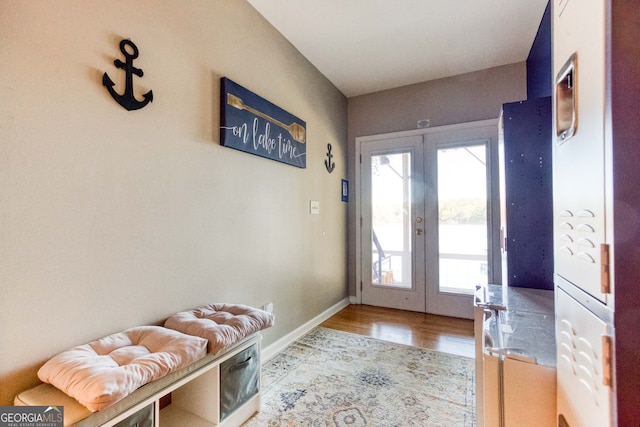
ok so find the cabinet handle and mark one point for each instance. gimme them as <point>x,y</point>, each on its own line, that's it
<point>566,111</point>
<point>241,365</point>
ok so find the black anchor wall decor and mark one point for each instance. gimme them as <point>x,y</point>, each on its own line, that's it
<point>127,99</point>
<point>328,163</point>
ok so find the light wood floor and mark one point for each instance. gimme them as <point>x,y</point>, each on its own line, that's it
<point>445,334</point>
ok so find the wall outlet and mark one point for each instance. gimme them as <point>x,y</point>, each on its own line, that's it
<point>268,307</point>
<point>314,207</point>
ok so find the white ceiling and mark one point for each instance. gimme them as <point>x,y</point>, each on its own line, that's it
<point>365,46</point>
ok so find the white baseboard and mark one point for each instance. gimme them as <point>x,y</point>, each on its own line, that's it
<point>276,347</point>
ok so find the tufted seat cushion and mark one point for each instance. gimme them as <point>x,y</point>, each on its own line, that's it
<point>104,371</point>
<point>221,324</point>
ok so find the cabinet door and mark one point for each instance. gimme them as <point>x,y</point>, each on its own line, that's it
<point>529,394</point>
<point>492,384</point>
<point>579,156</point>
<point>584,396</point>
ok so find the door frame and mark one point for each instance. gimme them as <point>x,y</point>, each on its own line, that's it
<point>482,129</point>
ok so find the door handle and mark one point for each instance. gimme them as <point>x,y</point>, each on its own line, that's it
<point>419,231</point>
<point>566,101</point>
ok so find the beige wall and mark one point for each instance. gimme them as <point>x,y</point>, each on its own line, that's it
<point>111,219</point>
<point>459,99</point>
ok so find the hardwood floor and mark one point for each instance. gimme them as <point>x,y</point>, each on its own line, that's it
<point>445,334</point>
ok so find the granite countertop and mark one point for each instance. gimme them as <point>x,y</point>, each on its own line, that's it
<point>527,320</point>
<point>516,299</point>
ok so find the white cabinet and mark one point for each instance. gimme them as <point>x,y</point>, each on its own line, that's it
<point>584,382</point>
<point>596,204</point>
<point>579,143</point>
<point>517,364</point>
<point>584,214</point>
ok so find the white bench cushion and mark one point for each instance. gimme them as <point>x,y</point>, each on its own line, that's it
<point>104,371</point>
<point>221,324</point>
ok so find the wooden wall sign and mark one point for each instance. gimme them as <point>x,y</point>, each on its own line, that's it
<point>254,125</point>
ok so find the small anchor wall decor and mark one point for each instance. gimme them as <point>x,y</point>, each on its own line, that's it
<point>127,99</point>
<point>328,163</point>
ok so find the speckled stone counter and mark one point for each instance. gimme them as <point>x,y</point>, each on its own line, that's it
<point>527,320</point>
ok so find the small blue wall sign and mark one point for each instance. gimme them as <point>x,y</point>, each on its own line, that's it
<point>254,125</point>
<point>345,190</point>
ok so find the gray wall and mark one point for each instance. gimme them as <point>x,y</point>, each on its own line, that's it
<point>111,219</point>
<point>464,98</point>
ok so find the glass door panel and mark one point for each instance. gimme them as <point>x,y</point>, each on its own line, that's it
<point>462,218</point>
<point>391,252</point>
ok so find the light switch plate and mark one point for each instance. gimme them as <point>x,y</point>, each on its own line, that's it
<point>314,207</point>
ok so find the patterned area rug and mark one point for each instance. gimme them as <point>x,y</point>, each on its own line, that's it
<point>334,378</point>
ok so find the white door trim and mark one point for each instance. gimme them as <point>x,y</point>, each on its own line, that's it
<point>494,215</point>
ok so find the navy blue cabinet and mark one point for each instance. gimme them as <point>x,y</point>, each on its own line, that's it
<point>526,196</point>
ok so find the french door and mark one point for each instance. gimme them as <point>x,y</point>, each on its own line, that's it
<point>392,194</point>
<point>425,227</point>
